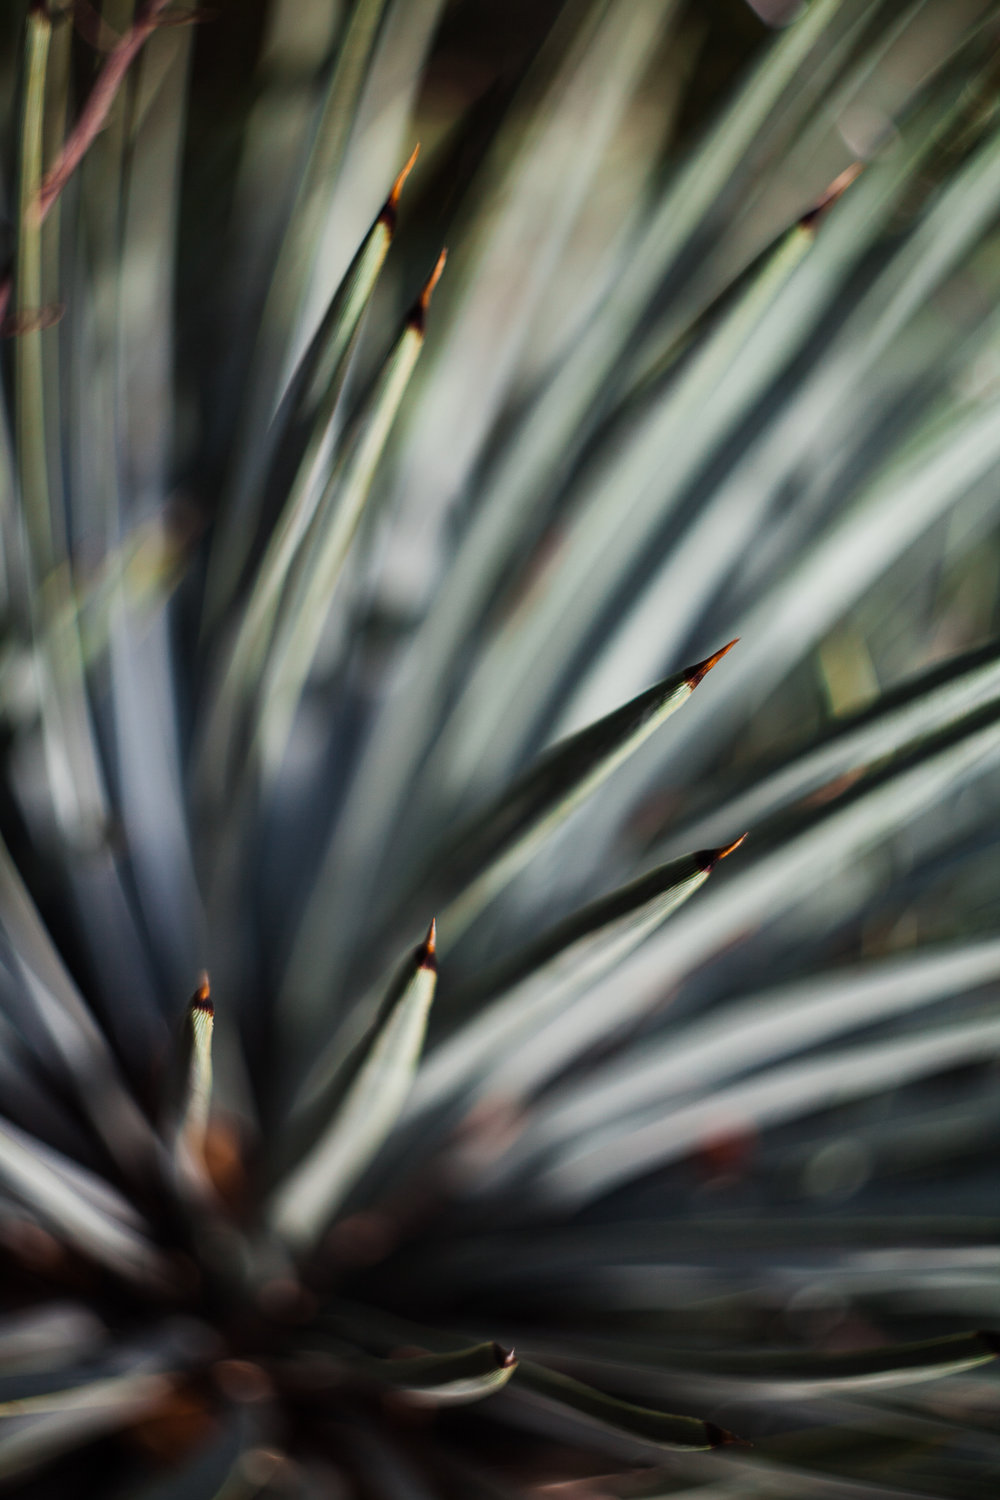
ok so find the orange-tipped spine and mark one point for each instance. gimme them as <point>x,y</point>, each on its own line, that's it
<point>387,216</point>
<point>418,313</point>
<point>698,671</point>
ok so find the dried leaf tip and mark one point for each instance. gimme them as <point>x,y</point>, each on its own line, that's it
<point>201,1000</point>
<point>194,1120</point>
<point>696,673</point>
<point>826,200</point>
<point>506,1358</point>
<point>709,858</point>
<point>428,948</point>
<point>419,313</point>
<point>719,1437</point>
<point>388,214</point>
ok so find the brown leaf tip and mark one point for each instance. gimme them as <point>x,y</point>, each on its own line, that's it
<point>202,997</point>
<point>506,1358</point>
<point>419,312</point>
<point>825,202</point>
<point>719,1437</point>
<point>432,281</point>
<point>709,858</point>
<point>428,948</point>
<point>696,673</point>
<point>388,214</point>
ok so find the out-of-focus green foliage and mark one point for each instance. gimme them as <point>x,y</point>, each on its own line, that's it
<point>513,1146</point>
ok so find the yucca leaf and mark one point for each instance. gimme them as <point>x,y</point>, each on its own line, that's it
<point>875,807</point>
<point>529,195</point>
<point>919,706</point>
<point>552,428</point>
<point>75,1037</point>
<point>48,1338</point>
<point>325,545</point>
<point>765,1027</point>
<point>313,1191</point>
<point>302,427</point>
<point>37,1431</point>
<point>302,436</point>
<point>451,1379</point>
<point>649,899</point>
<point>887,1366</point>
<point>733,1157</point>
<point>946,233</point>
<point>289,279</point>
<point>490,727</point>
<point>484,855</point>
<point>78,1206</point>
<point>194,1116</point>
<point>542,976</point>
<point>779,1094</point>
<point>899,506</point>
<point>638,1421</point>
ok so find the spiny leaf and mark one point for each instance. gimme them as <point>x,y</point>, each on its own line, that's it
<point>551,424</point>
<point>658,1427</point>
<point>39,1430</point>
<point>923,1359</point>
<point>880,1365</point>
<point>542,976</point>
<point>615,522</point>
<point>451,1379</point>
<point>324,547</point>
<point>524,475</point>
<point>194,1120</point>
<point>874,807</point>
<point>720,531</point>
<point>288,283</point>
<point>302,426</point>
<point>483,856</point>
<point>314,1190</point>
<point>920,705</point>
<point>761,1028</point>
<point>581,1174</point>
<point>647,900</point>
<point>80,1207</point>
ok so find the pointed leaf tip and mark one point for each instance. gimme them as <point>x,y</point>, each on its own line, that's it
<point>696,673</point>
<point>202,997</point>
<point>410,163</point>
<point>419,310</point>
<point>709,858</point>
<point>388,214</point>
<point>825,201</point>
<point>432,281</point>
<point>506,1358</point>
<point>428,948</point>
<point>721,1437</point>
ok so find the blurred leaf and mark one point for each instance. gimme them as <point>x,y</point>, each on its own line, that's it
<point>639,1421</point>
<point>317,1186</point>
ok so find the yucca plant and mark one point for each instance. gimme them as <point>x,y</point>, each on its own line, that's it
<point>334,678</point>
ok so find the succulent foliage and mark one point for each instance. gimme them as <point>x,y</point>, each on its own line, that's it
<point>346,591</point>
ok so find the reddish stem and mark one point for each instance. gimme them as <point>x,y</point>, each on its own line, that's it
<point>98,106</point>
